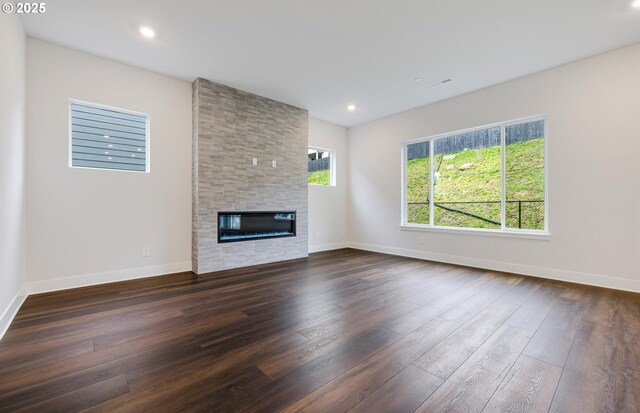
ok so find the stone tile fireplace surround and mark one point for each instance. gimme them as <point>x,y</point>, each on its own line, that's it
<point>231,128</point>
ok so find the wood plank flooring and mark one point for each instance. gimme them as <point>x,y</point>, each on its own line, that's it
<point>341,331</point>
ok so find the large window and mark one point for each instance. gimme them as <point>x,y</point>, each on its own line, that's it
<point>108,138</point>
<point>321,166</point>
<point>487,178</point>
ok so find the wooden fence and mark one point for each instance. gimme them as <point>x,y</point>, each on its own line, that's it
<point>478,139</point>
<point>318,164</point>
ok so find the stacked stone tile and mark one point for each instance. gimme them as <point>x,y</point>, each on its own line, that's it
<point>230,127</point>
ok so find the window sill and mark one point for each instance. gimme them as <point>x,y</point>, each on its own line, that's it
<point>535,235</point>
<point>109,169</point>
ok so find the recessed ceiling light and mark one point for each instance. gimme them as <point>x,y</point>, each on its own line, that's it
<point>147,32</point>
<point>351,108</point>
<point>106,136</point>
<point>636,4</point>
<point>417,79</point>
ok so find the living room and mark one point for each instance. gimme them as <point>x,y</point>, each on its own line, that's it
<point>319,206</point>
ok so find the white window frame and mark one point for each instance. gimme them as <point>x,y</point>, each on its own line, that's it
<point>332,165</point>
<point>503,231</point>
<point>131,112</point>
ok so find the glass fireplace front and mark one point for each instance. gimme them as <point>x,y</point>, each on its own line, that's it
<point>250,225</point>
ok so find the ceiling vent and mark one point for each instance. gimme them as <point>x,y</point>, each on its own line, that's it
<point>442,82</point>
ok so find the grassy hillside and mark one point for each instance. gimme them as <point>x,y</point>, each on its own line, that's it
<point>474,176</point>
<point>319,177</point>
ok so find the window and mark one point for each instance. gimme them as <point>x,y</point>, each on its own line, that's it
<point>108,138</point>
<point>321,166</point>
<point>489,178</point>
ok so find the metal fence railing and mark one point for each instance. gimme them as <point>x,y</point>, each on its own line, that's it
<point>523,214</point>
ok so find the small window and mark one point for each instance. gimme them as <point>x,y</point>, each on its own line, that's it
<point>108,138</point>
<point>321,167</point>
<point>490,178</point>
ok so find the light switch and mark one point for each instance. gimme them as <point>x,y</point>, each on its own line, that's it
<point>273,163</point>
<point>254,162</point>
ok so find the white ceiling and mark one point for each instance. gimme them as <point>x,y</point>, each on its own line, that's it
<point>324,54</point>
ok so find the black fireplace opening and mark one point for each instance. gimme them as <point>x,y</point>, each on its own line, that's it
<point>251,225</point>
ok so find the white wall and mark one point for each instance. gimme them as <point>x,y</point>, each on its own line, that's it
<point>593,109</point>
<point>89,226</point>
<point>12,169</point>
<point>328,205</point>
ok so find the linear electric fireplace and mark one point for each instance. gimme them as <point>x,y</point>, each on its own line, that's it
<point>244,226</point>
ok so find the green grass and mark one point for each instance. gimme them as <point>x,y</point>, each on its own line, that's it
<point>481,182</point>
<point>319,177</point>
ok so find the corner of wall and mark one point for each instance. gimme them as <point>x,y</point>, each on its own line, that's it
<point>195,159</point>
<point>12,310</point>
<point>350,236</point>
<point>13,215</point>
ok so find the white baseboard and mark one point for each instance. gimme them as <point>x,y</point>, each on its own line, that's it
<point>85,280</point>
<point>11,311</point>
<point>597,280</point>
<point>36,287</point>
<point>328,247</point>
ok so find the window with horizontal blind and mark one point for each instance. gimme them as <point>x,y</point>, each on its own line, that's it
<point>108,138</point>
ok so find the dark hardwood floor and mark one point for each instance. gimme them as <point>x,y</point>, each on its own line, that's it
<point>342,331</point>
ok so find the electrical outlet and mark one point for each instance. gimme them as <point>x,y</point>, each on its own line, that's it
<point>273,163</point>
<point>146,251</point>
<point>422,239</point>
<point>254,161</point>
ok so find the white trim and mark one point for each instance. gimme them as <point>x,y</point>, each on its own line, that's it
<point>10,313</point>
<point>328,247</point>
<point>85,280</point>
<point>546,173</point>
<point>597,280</point>
<point>112,108</point>
<point>404,209</point>
<point>509,233</point>
<point>503,178</point>
<point>432,183</point>
<point>108,107</point>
